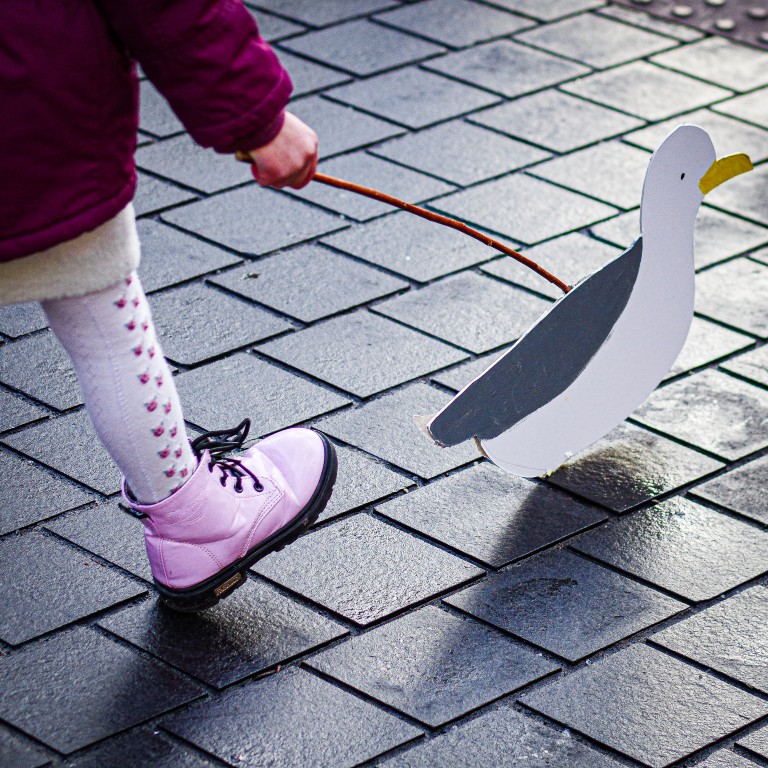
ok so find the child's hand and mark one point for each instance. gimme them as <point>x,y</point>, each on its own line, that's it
<point>290,159</point>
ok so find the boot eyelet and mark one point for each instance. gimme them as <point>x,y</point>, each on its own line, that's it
<point>259,488</point>
<point>238,489</point>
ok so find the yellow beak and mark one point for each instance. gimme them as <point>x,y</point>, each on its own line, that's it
<point>723,169</point>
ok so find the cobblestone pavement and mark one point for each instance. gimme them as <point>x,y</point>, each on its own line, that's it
<point>441,612</point>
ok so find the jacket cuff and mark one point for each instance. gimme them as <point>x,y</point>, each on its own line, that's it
<point>262,136</point>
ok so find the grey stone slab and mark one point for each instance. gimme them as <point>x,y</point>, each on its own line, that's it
<point>47,585</point>
<point>319,14</point>
<point>377,569</point>
<point>413,97</point>
<point>570,257</point>
<point>362,353</point>
<point>706,343</point>
<point>507,68</point>
<point>362,47</point>
<point>15,411</point>
<point>548,10</point>
<point>72,689</point>
<point>368,170</point>
<point>639,18</point>
<point>756,742</point>
<point>309,283</point>
<point>254,220</point>
<point>751,107</point>
<point>185,162</point>
<point>630,466</point>
<point>760,255</point>
<point>681,546</point>
<point>69,445</point>
<point>460,152</point>
<point>565,604</point>
<point>730,136</point>
<point>19,319</point>
<point>468,310</point>
<point>29,493</point>
<point>741,490</point>
<point>273,28</point>
<point>502,736</point>
<point>108,532</point>
<point>361,481</point>
<point>556,120</point>
<point>455,23</point>
<point>156,115</point>
<point>169,257</point>
<point>223,393</point>
<point>309,76</point>
<point>457,378</point>
<point>385,427</point>
<point>153,195</point>
<point>266,723</point>
<point>18,752</point>
<point>725,758</point>
<point>710,410</point>
<point>524,209</point>
<point>339,127</point>
<point>612,172</point>
<point>196,323</point>
<point>411,246</point>
<point>646,90</point>
<point>38,366</point>
<point>728,637</point>
<point>595,40</point>
<point>491,515</point>
<point>256,629</point>
<point>739,67</point>
<point>647,705</point>
<point>432,665</point>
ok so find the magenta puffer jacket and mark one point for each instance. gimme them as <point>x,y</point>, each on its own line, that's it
<point>69,98</point>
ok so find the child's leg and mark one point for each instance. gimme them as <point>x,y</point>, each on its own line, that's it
<point>127,388</point>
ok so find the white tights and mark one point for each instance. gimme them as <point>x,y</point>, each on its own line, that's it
<point>126,384</point>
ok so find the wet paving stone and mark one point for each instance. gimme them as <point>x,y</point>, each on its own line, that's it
<point>339,127</point>
<point>71,690</point>
<point>640,19</point>
<point>710,410</point>
<point>413,97</point>
<point>108,532</point>
<point>612,172</point>
<point>595,40</point>
<point>752,365</point>
<point>490,515</point>
<point>365,570</point>
<point>273,220</point>
<point>726,759</point>
<point>456,23</point>
<point>309,282</point>
<point>410,246</point>
<point>548,10</point>
<point>319,14</point>
<point>253,630</point>
<point>223,393</point>
<point>39,367</point>
<point>630,466</point>
<point>29,493</point>
<point>264,723</point>
<point>743,195</point>
<point>502,736</point>
<point>475,153</point>
<point>750,107</point>
<point>362,47</point>
<point>361,481</point>
<point>467,310</point>
<point>741,490</point>
<point>47,585</point>
<point>525,209</point>
<point>646,91</point>
<point>19,319</point>
<point>506,68</point>
<point>366,169</point>
<point>69,445</point>
<point>681,546</point>
<point>196,323</point>
<point>18,752</point>
<point>362,353</point>
<point>706,343</point>
<point>733,293</point>
<point>555,120</point>
<point>647,705</point>
<point>15,411</point>
<point>565,604</point>
<point>756,742</point>
<point>309,76</point>
<point>385,427</point>
<point>433,666</point>
<point>156,116</point>
<point>728,637</point>
<point>153,195</point>
<point>273,28</point>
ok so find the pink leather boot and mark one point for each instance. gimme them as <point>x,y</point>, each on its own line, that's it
<point>233,511</point>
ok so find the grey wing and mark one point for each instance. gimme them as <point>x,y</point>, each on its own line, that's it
<point>546,360</point>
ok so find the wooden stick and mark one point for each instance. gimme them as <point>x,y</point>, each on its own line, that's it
<point>358,189</point>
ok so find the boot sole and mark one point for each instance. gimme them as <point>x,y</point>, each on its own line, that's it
<point>209,592</point>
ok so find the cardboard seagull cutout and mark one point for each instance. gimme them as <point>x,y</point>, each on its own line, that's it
<point>604,346</point>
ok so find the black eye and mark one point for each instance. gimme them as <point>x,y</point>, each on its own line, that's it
<point>682,176</point>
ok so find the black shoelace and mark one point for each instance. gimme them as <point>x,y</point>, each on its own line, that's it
<point>222,442</point>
